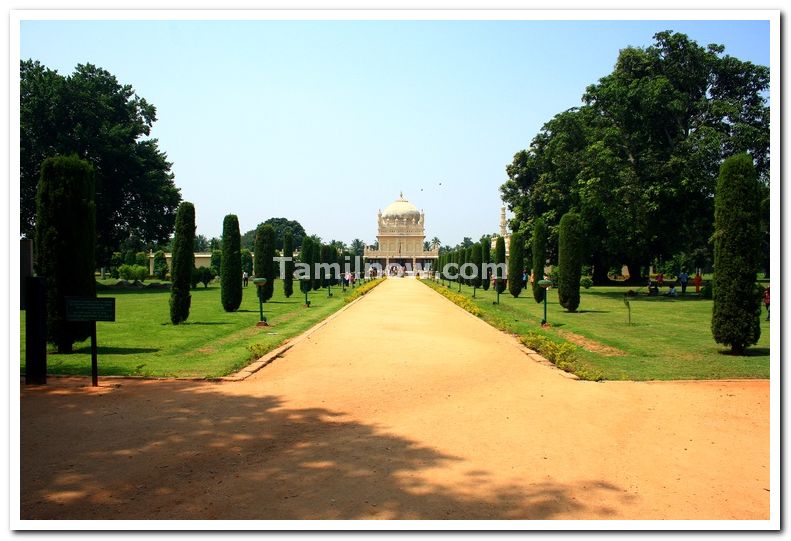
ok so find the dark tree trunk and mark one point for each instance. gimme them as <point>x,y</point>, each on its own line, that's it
<point>634,272</point>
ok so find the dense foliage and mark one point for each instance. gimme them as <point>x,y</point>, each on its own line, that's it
<point>90,114</point>
<point>279,225</point>
<point>639,160</point>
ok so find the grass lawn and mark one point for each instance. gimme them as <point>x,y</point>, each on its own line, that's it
<point>669,338</point>
<point>211,343</point>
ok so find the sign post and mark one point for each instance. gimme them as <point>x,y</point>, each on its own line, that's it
<point>92,310</point>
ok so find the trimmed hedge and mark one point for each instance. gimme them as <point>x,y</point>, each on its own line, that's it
<point>539,258</point>
<point>516,256</point>
<point>570,261</point>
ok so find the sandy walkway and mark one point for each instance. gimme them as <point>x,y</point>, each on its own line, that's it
<point>403,407</point>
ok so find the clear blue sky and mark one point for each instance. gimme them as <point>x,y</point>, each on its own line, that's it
<point>326,122</point>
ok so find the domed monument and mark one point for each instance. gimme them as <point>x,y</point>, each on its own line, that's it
<point>401,235</point>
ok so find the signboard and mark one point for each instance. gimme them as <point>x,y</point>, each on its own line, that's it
<point>90,309</point>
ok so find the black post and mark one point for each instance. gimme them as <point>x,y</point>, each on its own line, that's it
<point>36,331</point>
<point>94,360</point>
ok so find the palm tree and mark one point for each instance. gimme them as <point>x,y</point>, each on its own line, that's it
<point>435,242</point>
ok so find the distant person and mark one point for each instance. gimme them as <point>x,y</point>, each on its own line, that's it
<point>244,278</point>
<point>766,302</point>
<point>524,278</point>
<point>697,281</point>
<point>672,292</point>
<point>660,279</point>
<point>683,278</point>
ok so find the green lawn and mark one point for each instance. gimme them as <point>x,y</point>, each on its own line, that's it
<point>211,343</point>
<point>669,338</point>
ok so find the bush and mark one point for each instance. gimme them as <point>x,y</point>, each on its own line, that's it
<point>563,355</point>
<point>65,242</point>
<point>306,256</point>
<point>736,315</point>
<point>182,263</point>
<point>231,265</point>
<point>477,260</point>
<point>202,275</point>
<point>247,261</point>
<point>455,298</point>
<point>539,258</point>
<point>133,272</point>
<point>363,289</point>
<point>160,265</point>
<point>216,262</point>
<point>569,261</point>
<point>586,282</point>
<point>707,291</point>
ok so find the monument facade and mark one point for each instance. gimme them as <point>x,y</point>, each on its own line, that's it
<point>401,233</point>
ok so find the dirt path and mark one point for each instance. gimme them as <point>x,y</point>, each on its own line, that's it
<point>403,407</point>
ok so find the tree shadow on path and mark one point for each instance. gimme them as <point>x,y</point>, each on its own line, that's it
<point>175,450</point>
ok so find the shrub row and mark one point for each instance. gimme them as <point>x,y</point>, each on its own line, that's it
<point>455,298</point>
<point>363,289</point>
<point>563,355</point>
<point>133,272</point>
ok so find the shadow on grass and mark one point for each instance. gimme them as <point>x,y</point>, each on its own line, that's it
<point>175,450</point>
<point>111,350</point>
<point>749,352</point>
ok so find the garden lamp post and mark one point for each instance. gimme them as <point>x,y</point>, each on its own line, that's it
<point>545,284</point>
<point>260,283</point>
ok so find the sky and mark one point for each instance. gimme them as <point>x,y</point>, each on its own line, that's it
<point>325,122</point>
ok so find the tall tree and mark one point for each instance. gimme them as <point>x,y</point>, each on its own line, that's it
<point>357,247</point>
<point>539,258</point>
<point>247,261</point>
<point>65,237</point>
<point>231,267</point>
<point>288,253</point>
<point>90,114</point>
<point>569,261</point>
<point>639,161</point>
<point>280,225</point>
<point>182,263</point>
<point>316,259</point>
<point>736,318</point>
<point>265,259</point>
<point>515,264</point>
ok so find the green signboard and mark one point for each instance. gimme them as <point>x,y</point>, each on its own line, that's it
<point>90,309</point>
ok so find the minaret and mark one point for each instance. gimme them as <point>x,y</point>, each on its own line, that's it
<point>503,230</point>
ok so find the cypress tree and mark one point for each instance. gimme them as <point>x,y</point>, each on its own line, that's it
<point>231,265</point>
<point>569,261</point>
<point>305,256</point>
<point>288,253</point>
<point>66,242</point>
<point>539,258</point>
<point>462,255</point>
<point>182,263</point>
<point>736,317</point>
<point>476,259</point>
<point>325,258</point>
<point>486,258</point>
<point>315,259</point>
<point>515,264</point>
<point>264,264</point>
<point>499,259</point>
